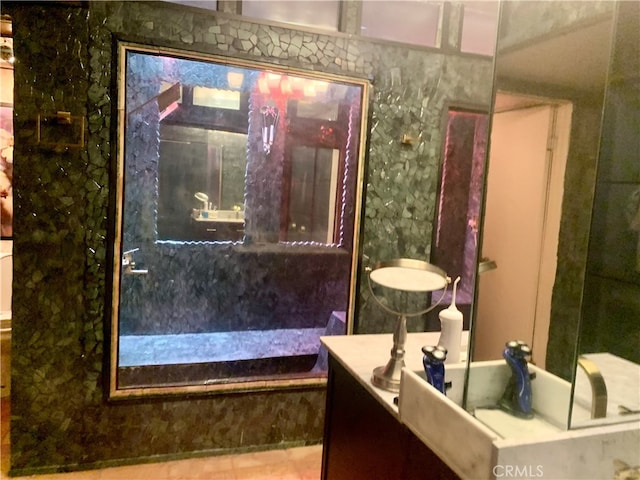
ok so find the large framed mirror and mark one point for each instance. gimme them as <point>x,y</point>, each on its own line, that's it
<point>550,223</point>
<point>236,223</point>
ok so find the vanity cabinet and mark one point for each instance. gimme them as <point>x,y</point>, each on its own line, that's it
<point>364,440</point>
<point>217,231</point>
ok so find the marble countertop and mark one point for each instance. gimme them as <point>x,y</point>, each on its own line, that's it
<point>360,354</point>
<point>219,220</point>
<point>218,216</point>
<point>585,453</point>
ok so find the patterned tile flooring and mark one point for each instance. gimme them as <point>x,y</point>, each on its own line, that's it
<point>303,463</point>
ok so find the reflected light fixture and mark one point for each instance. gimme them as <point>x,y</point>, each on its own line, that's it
<point>273,80</point>
<point>310,90</point>
<point>320,86</point>
<point>285,86</point>
<point>270,116</point>
<point>235,79</point>
<point>263,86</point>
<point>297,83</point>
<point>407,275</point>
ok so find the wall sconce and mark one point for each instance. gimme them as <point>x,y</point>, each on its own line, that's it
<point>270,116</point>
<point>60,130</point>
<point>6,50</point>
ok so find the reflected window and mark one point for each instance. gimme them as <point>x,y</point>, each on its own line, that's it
<point>216,98</point>
<point>312,13</point>
<point>479,27</point>
<point>416,23</point>
<point>208,4</point>
<point>312,195</point>
<point>199,161</point>
<point>314,166</point>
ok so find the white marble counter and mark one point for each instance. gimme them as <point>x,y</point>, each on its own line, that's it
<point>574,454</point>
<point>360,354</point>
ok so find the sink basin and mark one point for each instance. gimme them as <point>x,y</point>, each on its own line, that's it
<point>443,425</point>
<point>228,215</point>
<point>487,444</point>
<point>551,396</point>
<point>218,216</point>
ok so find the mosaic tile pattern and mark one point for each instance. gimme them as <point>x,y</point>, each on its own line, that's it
<point>299,463</point>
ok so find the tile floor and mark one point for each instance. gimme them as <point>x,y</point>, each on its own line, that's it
<point>303,463</point>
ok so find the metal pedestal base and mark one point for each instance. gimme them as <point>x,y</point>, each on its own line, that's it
<point>388,376</point>
<point>382,380</point>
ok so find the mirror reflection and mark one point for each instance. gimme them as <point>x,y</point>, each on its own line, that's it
<point>548,152</point>
<point>237,212</point>
<point>212,164</point>
<point>610,322</point>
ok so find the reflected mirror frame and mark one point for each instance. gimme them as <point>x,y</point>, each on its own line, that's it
<point>116,222</point>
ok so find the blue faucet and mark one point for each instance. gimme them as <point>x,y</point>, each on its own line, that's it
<point>433,361</point>
<point>516,399</point>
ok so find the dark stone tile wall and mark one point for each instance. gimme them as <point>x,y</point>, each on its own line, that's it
<point>402,182</point>
<point>60,417</point>
<point>611,309</point>
<point>228,288</point>
<point>573,238</point>
<point>595,297</point>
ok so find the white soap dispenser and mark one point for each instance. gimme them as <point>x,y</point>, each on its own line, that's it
<point>451,328</point>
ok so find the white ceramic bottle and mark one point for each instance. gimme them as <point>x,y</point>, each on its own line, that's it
<point>451,328</point>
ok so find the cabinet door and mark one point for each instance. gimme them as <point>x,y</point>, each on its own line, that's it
<point>217,231</point>
<point>363,441</point>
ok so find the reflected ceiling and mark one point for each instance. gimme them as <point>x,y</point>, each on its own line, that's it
<point>540,62</point>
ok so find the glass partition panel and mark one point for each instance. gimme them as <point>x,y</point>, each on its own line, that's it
<point>610,323</point>
<point>238,198</point>
<point>551,68</point>
<point>311,13</point>
<point>479,25</point>
<point>416,23</point>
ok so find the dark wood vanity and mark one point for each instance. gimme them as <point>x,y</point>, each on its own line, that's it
<point>216,230</point>
<point>363,436</point>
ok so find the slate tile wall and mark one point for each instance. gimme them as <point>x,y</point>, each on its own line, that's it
<point>60,417</point>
